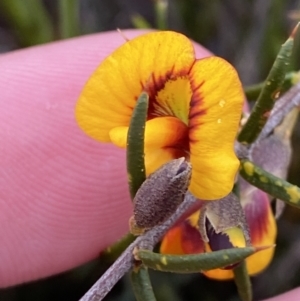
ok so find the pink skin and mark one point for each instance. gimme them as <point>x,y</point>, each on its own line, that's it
<point>63,196</point>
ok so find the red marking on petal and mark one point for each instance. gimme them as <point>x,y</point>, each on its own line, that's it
<point>256,213</point>
<point>196,109</point>
<point>191,239</point>
<point>196,87</point>
<point>154,85</point>
<point>171,242</point>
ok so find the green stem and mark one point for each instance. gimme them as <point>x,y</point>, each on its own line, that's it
<point>268,94</point>
<point>242,281</point>
<point>141,284</point>
<point>135,145</point>
<point>69,18</point>
<point>29,19</point>
<point>271,184</point>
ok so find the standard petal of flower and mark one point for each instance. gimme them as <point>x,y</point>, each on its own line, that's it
<point>144,63</point>
<point>215,113</point>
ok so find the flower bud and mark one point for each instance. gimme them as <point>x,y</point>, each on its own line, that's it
<point>160,195</point>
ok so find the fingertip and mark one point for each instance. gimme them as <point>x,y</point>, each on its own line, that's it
<point>293,295</point>
<point>63,196</point>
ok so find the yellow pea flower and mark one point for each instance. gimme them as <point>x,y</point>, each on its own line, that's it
<point>194,107</point>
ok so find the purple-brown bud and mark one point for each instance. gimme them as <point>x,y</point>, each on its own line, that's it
<point>160,195</point>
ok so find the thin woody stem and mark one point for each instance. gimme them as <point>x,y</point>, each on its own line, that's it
<point>125,262</point>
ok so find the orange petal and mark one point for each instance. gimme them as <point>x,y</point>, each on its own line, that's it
<point>156,157</point>
<point>215,113</point>
<point>182,239</point>
<point>171,243</point>
<point>109,96</point>
<point>219,274</point>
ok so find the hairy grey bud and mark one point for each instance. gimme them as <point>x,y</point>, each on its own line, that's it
<point>160,195</point>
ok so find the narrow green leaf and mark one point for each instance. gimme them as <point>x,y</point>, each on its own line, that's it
<point>269,93</point>
<point>252,92</point>
<point>135,145</point>
<point>29,20</point>
<point>140,22</point>
<point>161,13</point>
<point>113,252</point>
<point>194,263</point>
<point>242,281</point>
<point>141,284</point>
<point>291,78</point>
<point>69,18</point>
<point>271,184</point>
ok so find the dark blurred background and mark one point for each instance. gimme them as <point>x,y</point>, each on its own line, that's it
<point>248,34</point>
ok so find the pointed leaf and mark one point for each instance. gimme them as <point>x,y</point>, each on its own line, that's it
<point>141,284</point>
<point>194,263</point>
<point>271,184</point>
<point>69,24</point>
<point>243,282</point>
<point>135,144</point>
<point>269,93</point>
<point>291,78</point>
